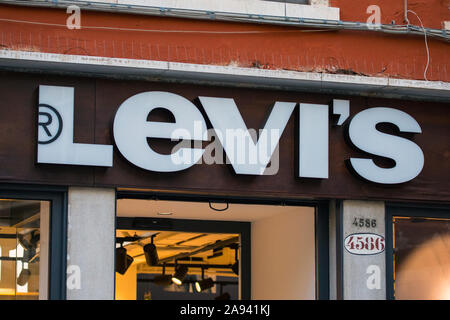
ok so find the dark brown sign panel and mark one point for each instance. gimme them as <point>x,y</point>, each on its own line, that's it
<point>96,103</point>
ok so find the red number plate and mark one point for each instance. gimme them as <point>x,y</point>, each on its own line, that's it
<point>364,243</point>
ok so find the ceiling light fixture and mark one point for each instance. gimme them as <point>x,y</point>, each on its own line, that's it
<point>151,253</point>
<point>181,271</point>
<point>164,213</point>
<point>123,260</point>
<point>204,284</point>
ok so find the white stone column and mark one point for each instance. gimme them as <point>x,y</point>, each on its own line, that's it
<point>91,243</point>
<point>364,275</point>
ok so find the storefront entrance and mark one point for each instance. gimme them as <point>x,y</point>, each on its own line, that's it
<point>221,249</point>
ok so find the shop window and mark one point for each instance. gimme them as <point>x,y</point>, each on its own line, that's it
<point>239,250</point>
<point>421,258</point>
<point>167,265</point>
<point>24,238</point>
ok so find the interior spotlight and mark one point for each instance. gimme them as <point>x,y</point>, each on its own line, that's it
<point>204,284</point>
<point>123,260</point>
<point>235,267</point>
<point>23,277</point>
<point>151,254</point>
<point>180,273</point>
<point>224,296</point>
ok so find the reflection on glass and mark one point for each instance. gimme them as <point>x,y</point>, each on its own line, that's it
<point>23,249</point>
<point>421,258</point>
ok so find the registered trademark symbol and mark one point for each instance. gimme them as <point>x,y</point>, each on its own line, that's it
<point>50,124</point>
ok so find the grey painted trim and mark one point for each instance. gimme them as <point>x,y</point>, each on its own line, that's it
<point>287,14</point>
<point>252,12</point>
<point>35,62</point>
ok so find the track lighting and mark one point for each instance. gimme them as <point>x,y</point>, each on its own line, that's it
<point>204,284</point>
<point>180,273</point>
<point>123,260</point>
<point>151,254</point>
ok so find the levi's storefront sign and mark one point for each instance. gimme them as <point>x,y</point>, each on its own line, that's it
<point>249,152</point>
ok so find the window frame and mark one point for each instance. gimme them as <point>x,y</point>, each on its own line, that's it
<point>57,196</point>
<point>321,229</point>
<point>406,210</point>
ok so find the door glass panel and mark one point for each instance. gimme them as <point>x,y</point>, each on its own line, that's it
<point>24,226</point>
<point>421,258</point>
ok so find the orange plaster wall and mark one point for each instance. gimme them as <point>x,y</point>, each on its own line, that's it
<point>251,45</point>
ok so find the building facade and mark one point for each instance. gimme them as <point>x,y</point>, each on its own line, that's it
<point>224,150</point>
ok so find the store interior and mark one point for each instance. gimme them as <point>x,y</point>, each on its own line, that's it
<point>23,249</point>
<point>153,264</point>
<point>206,265</point>
<point>282,252</point>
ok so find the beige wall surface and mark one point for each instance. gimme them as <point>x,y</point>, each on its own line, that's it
<point>283,255</point>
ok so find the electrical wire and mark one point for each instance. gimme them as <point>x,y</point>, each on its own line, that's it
<point>393,29</point>
<point>159,30</point>
<point>234,17</point>
<point>426,45</point>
